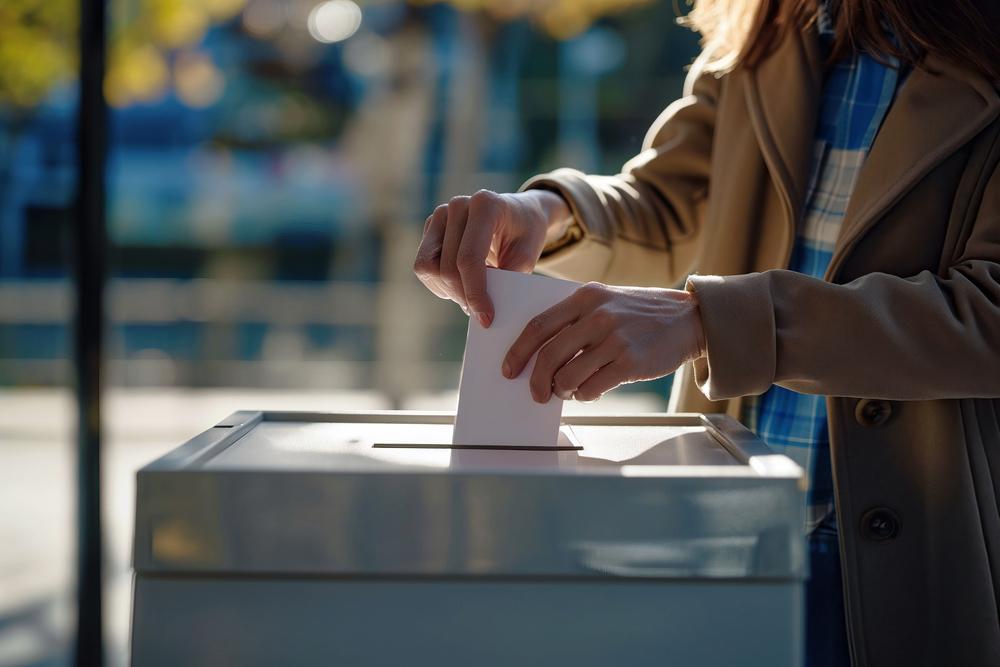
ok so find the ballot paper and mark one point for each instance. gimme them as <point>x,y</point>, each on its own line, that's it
<point>493,410</point>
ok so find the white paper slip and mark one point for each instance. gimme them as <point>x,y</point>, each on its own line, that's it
<point>493,410</point>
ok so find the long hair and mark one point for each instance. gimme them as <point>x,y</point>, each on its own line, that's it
<point>743,32</point>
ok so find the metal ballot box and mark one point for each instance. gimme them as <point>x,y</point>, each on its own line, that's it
<point>366,539</point>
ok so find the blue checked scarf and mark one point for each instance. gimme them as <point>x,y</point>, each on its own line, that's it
<point>857,93</point>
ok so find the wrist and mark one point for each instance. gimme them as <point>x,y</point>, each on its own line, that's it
<point>699,348</point>
<point>556,214</point>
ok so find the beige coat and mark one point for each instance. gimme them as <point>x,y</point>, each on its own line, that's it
<point>903,335</point>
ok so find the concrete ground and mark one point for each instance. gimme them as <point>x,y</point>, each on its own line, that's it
<point>37,489</point>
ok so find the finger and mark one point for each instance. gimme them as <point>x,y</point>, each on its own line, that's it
<point>427,265</point>
<point>473,251</point>
<point>458,217</point>
<point>555,354</point>
<point>603,381</point>
<point>518,255</point>
<point>568,379</point>
<point>539,329</point>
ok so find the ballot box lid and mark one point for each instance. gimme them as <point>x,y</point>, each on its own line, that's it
<point>375,494</point>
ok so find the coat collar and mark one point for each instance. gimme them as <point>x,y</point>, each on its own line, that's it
<point>783,94</point>
<point>937,110</point>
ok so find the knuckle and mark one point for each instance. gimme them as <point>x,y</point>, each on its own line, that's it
<point>536,325</point>
<point>628,358</point>
<point>467,260</point>
<point>482,197</point>
<point>618,343</point>
<point>457,202</point>
<point>475,294</point>
<point>475,298</point>
<point>450,274</point>
<point>562,383</point>
<point>602,317</point>
<point>592,290</point>
<point>421,267</point>
<point>452,280</point>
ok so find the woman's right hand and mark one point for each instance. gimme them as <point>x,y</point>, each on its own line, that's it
<point>464,236</point>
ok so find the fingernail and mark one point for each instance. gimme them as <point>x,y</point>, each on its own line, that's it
<point>485,320</point>
<point>505,369</point>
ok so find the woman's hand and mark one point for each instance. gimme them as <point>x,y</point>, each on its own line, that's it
<point>603,336</point>
<point>465,235</point>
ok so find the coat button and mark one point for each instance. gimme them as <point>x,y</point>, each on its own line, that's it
<point>873,412</point>
<point>880,524</point>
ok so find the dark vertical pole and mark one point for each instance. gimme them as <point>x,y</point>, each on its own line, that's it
<point>89,257</point>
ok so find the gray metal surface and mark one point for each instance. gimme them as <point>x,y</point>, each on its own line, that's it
<point>204,621</point>
<point>652,496</point>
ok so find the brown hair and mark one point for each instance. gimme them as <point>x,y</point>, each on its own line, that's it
<point>743,32</point>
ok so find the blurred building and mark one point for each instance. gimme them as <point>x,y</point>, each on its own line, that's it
<point>269,181</point>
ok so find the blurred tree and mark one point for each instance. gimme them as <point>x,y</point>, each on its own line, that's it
<point>37,52</point>
<point>38,49</point>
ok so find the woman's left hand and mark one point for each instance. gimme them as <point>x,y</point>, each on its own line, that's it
<point>603,336</point>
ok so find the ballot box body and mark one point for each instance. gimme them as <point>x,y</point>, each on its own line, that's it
<point>365,539</point>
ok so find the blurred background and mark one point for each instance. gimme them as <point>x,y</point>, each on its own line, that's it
<point>271,163</point>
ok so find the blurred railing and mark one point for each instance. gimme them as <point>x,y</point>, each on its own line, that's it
<point>154,301</point>
<point>384,336</point>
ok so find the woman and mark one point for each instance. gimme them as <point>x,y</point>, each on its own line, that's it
<point>831,179</point>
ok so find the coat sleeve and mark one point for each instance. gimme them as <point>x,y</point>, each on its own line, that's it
<point>641,226</point>
<point>928,336</point>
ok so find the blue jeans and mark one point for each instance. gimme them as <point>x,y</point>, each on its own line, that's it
<point>826,626</point>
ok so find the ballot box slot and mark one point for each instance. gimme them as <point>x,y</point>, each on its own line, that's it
<point>515,448</point>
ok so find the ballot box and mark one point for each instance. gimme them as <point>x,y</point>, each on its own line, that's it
<point>368,539</point>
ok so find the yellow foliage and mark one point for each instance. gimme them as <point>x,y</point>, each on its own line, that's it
<point>176,23</point>
<point>222,10</point>
<point>35,53</point>
<point>138,74</point>
<point>38,45</point>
